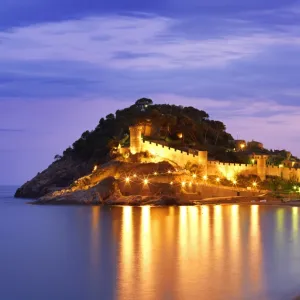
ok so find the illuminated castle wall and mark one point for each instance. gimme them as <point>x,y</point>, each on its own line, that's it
<point>228,170</point>
<point>175,155</point>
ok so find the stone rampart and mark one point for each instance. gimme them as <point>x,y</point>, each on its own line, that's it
<point>178,156</point>
<point>230,170</point>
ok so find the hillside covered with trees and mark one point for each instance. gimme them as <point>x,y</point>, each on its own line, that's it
<point>177,126</point>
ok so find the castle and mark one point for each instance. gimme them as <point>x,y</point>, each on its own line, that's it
<point>259,167</point>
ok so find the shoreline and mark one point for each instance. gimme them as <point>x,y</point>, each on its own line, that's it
<point>208,201</point>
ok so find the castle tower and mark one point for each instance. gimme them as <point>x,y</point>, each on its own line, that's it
<point>203,160</point>
<point>136,142</point>
<point>261,166</point>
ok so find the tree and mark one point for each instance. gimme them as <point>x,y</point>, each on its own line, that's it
<point>219,127</point>
<point>144,102</point>
<point>110,117</point>
<point>101,122</point>
<point>68,151</point>
<point>85,135</point>
<point>57,157</point>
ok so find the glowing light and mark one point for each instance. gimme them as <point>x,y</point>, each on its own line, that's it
<point>229,176</point>
<point>234,182</point>
<point>127,179</point>
<point>218,179</point>
<point>281,166</point>
<point>146,181</point>
<point>180,135</point>
<point>204,177</point>
<point>194,175</point>
<point>190,184</point>
<point>254,184</point>
<point>155,173</point>
<point>171,183</point>
<point>134,175</point>
<point>183,183</point>
<point>253,161</point>
<point>295,218</point>
<point>294,187</point>
<point>169,171</point>
<point>243,146</point>
<point>152,152</point>
<point>95,168</point>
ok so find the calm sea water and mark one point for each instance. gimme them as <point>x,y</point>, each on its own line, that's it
<point>205,252</point>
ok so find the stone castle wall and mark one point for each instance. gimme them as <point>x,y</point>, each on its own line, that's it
<point>285,173</point>
<point>175,155</point>
<point>228,170</point>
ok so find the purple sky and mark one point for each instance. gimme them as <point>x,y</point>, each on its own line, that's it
<point>65,64</point>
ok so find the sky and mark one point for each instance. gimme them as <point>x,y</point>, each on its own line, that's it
<point>64,64</point>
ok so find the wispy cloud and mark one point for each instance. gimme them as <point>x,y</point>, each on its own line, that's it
<point>7,130</point>
<point>147,42</point>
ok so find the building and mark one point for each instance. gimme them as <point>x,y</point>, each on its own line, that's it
<point>258,167</point>
<point>255,145</point>
<point>240,145</point>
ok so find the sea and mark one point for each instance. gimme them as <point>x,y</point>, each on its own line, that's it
<point>147,253</point>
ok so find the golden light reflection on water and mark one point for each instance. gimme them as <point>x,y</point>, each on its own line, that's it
<point>218,230</point>
<point>295,233</point>
<point>295,219</point>
<point>255,249</point>
<point>235,249</point>
<point>193,229</point>
<point>183,231</point>
<point>95,239</point>
<point>218,233</point>
<point>127,264</point>
<point>280,219</point>
<point>186,252</point>
<point>146,252</point>
<point>205,230</point>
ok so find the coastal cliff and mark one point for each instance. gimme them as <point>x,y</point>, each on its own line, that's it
<point>57,176</point>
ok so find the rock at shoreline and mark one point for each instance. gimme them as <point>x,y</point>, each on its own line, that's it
<point>107,192</point>
<point>70,173</point>
<point>94,195</point>
<point>106,186</point>
<point>57,176</point>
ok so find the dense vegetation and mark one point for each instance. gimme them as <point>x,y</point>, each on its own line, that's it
<point>168,121</point>
<point>177,126</point>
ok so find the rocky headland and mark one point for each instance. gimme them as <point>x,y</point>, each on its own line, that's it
<point>109,165</point>
<point>117,183</point>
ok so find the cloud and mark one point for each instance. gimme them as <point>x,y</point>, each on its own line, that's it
<point>4,130</point>
<point>140,42</point>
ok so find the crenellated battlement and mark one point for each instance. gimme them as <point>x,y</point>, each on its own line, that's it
<point>180,157</point>
<point>228,170</point>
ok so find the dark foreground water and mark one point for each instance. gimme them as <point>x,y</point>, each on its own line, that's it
<point>205,252</point>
